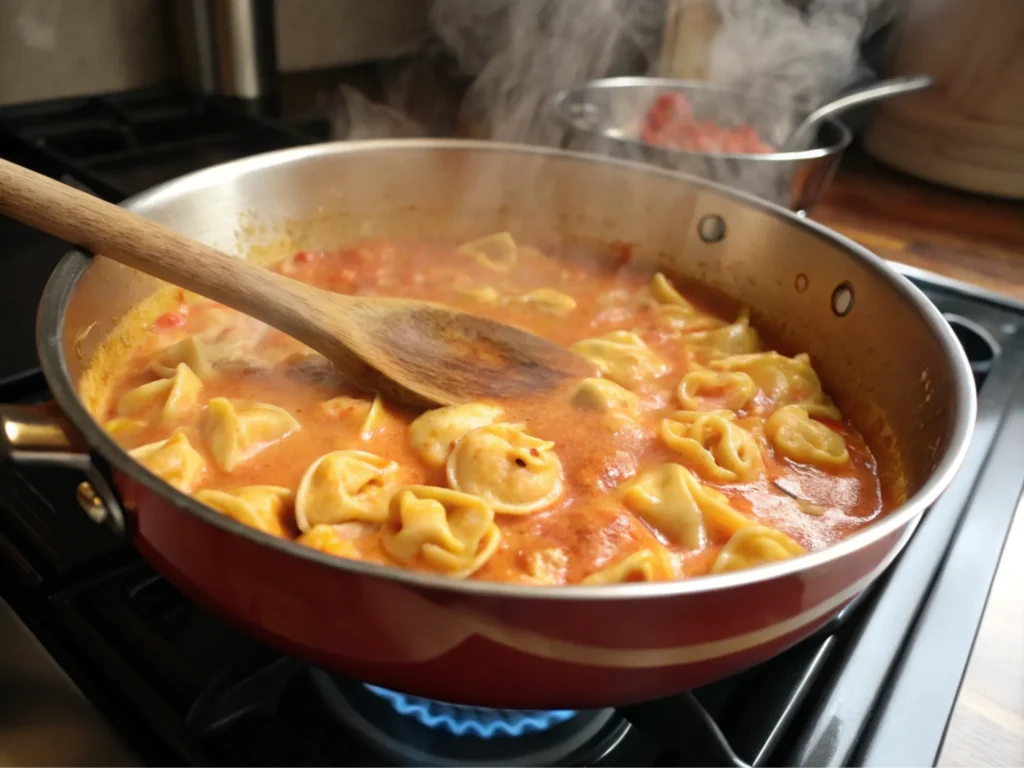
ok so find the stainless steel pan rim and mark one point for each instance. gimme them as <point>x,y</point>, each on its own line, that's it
<point>638,147</point>
<point>73,266</point>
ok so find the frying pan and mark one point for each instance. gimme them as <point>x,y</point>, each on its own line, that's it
<point>884,352</point>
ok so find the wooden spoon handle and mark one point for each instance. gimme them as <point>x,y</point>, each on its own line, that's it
<point>115,232</point>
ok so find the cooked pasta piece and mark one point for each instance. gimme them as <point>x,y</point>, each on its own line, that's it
<point>485,294</point>
<point>440,529</point>
<point>326,538</point>
<point>617,405</point>
<point>497,252</point>
<point>623,357</point>
<point>644,565</point>
<point>345,485</point>
<point>434,434</point>
<point>665,293</point>
<point>714,445</point>
<point>798,437</point>
<point>121,427</point>
<point>738,338</point>
<point>755,545</point>
<point>550,301</point>
<point>173,460</point>
<point>236,430</point>
<point>671,500</point>
<point>684,319</point>
<point>783,380</point>
<point>173,398</point>
<point>263,507</point>
<point>190,351</point>
<point>703,390</point>
<point>512,471</point>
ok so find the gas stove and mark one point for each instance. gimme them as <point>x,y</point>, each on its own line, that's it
<point>175,685</point>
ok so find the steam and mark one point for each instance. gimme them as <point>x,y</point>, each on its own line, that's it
<point>799,57</point>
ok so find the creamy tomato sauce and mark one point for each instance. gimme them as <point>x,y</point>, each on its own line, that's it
<point>692,449</point>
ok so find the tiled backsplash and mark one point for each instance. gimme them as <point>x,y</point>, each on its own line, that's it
<point>56,48</point>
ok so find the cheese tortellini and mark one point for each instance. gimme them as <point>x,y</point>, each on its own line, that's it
<point>497,252</point>
<point>714,445</point>
<point>755,545</point>
<point>445,530</point>
<point>783,380</point>
<point>616,405</point>
<point>262,507</point>
<point>235,431</point>
<point>798,437</point>
<point>623,357</point>
<point>737,338</point>
<point>173,460</point>
<point>703,389</point>
<point>434,434</point>
<point>643,565</point>
<point>550,301</point>
<point>671,500</point>
<point>366,416</point>
<point>345,485</point>
<point>512,471</point>
<point>174,397</point>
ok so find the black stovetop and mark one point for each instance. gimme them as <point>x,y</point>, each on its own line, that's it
<point>875,687</point>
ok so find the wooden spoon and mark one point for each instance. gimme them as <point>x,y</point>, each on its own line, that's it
<point>421,353</point>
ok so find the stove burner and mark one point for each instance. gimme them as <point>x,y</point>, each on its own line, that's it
<point>411,730</point>
<point>477,721</point>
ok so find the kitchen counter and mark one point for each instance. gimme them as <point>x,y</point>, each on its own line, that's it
<point>980,241</point>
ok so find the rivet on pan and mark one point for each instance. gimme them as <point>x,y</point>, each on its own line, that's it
<point>91,503</point>
<point>711,228</point>
<point>842,299</point>
<point>801,282</point>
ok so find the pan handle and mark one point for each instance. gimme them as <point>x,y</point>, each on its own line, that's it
<point>42,435</point>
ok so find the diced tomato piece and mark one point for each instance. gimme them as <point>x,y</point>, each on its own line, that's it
<point>303,257</point>
<point>170,320</point>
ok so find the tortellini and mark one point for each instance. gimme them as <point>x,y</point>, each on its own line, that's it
<point>434,434</point>
<point>714,445</point>
<point>445,530</point>
<point>665,293</point>
<point>798,437</point>
<point>643,565</point>
<point>326,538</point>
<point>235,431</point>
<point>738,338</point>
<point>704,389</point>
<point>755,545</point>
<point>617,405</point>
<point>121,427</point>
<point>173,460</point>
<point>369,417</point>
<point>512,471</point>
<point>783,380</point>
<point>486,294</point>
<point>345,485</point>
<point>623,357</point>
<point>497,252</point>
<point>671,500</point>
<point>550,301</point>
<point>262,507</point>
<point>175,397</point>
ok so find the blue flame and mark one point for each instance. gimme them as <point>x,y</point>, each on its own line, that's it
<point>476,721</point>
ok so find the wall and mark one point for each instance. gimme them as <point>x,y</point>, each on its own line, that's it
<point>58,48</point>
